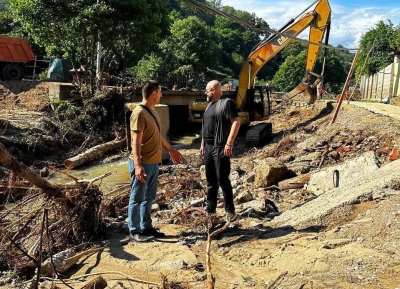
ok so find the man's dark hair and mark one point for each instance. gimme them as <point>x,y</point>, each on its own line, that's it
<point>149,87</point>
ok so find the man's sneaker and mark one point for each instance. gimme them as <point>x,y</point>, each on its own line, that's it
<point>141,238</point>
<point>153,232</point>
<point>231,217</point>
<point>136,238</point>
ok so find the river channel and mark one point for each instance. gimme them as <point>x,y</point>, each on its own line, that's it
<point>119,169</point>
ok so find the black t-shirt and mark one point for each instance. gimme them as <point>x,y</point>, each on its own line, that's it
<point>210,119</point>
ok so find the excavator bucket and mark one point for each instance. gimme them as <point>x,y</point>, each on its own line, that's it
<point>302,92</point>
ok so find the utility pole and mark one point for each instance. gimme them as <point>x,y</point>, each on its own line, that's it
<point>98,60</point>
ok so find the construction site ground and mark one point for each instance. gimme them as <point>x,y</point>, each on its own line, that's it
<point>344,237</point>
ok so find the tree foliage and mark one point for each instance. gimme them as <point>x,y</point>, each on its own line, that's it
<point>292,71</point>
<point>73,28</point>
<point>171,38</point>
<point>384,38</point>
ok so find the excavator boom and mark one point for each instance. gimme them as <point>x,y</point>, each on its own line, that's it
<point>316,20</point>
<point>251,102</point>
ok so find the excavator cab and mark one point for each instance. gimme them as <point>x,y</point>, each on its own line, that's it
<point>258,102</point>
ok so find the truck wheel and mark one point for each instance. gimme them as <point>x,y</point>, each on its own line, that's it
<point>13,71</point>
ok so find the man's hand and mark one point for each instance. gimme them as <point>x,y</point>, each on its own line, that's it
<point>228,150</point>
<point>201,151</point>
<point>176,156</point>
<point>140,174</point>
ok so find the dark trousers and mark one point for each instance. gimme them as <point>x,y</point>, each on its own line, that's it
<point>218,167</point>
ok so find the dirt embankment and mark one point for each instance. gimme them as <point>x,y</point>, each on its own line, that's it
<point>352,246</point>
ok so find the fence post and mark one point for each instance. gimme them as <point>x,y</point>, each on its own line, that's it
<point>34,68</point>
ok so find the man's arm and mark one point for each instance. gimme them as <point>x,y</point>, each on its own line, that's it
<point>234,130</point>
<point>175,155</point>
<point>232,136</point>
<point>136,144</point>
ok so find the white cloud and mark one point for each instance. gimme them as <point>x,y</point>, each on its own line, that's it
<point>348,24</point>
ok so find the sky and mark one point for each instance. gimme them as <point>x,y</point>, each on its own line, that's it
<point>350,18</point>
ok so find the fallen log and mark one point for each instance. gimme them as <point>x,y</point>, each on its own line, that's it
<point>294,183</point>
<point>10,163</point>
<point>93,153</point>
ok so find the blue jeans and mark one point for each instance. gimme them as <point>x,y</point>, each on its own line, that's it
<point>141,198</point>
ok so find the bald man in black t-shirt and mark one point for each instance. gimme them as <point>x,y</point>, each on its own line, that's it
<point>220,128</point>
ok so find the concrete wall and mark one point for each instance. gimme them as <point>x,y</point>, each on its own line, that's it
<point>60,90</point>
<point>383,84</point>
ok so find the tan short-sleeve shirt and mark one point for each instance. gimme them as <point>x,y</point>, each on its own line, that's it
<point>151,149</point>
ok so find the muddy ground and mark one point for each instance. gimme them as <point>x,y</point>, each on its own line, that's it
<point>354,246</point>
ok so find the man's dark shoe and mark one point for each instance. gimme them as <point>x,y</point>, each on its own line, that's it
<point>153,232</point>
<point>209,210</point>
<point>141,238</point>
<point>231,217</point>
<point>136,238</point>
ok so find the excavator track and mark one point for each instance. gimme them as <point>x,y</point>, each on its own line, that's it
<point>258,134</point>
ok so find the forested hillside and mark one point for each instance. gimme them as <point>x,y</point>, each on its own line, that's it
<point>169,38</point>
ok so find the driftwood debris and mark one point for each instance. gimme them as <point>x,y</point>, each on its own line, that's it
<point>97,282</point>
<point>93,153</point>
<point>210,276</point>
<point>64,260</point>
<point>294,183</point>
<point>48,219</point>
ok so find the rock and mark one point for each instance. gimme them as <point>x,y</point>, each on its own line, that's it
<point>247,165</point>
<point>155,208</point>
<point>234,175</point>
<point>197,202</point>
<point>345,173</point>
<point>244,197</point>
<point>203,172</point>
<point>44,173</point>
<point>269,172</point>
<point>250,177</point>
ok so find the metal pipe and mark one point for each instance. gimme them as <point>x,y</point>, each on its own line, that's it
<point>98,60</point>
<point>346,85</point>
<point>249,84</point>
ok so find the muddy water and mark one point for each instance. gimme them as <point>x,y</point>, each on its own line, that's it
<point>119,176</point>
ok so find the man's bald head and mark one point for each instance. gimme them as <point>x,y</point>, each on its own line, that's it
<point>213,90</point>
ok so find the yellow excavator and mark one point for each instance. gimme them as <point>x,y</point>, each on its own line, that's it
<point>251,102</point>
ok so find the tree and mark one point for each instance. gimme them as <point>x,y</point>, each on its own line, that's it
<point>235,39</point>
<point>383,36</point>
<point>292,71</point>
<point>73,28</point>
<point>150,66</point>
<point>190,48</point>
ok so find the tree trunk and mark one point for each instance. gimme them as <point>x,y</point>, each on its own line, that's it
<point>93,153</point>
<point>10,163</point>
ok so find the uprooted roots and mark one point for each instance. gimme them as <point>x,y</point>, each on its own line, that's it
<point>38,226</point>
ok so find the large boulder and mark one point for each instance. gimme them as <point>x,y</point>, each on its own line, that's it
<point>269,172</point>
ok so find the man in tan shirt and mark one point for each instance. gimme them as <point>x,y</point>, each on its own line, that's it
<point>147,143</point>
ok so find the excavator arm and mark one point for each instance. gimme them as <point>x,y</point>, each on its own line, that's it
<point>317,20</point>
